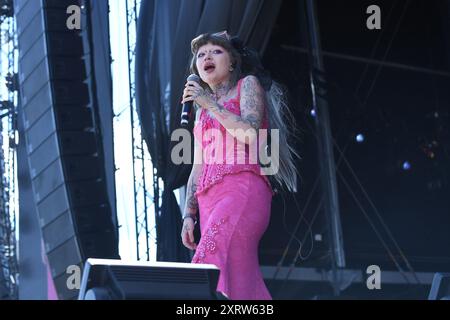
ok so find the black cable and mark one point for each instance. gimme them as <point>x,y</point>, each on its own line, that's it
<point>375,47</point>
<point>386,228</point>
<point>308,232</point>
<point>368,198</point>
<point>342,157</point>
<point>386,52</point>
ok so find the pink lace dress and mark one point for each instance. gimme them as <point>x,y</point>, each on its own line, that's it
<point>234,202</point>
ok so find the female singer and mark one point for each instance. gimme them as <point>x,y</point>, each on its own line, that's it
<point>233,198</point>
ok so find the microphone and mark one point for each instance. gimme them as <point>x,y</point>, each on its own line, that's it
<point>187,106</point>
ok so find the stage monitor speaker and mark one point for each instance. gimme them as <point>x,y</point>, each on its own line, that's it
<point>106,279</point>
<point>440,288</point>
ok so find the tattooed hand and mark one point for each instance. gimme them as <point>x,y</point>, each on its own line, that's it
<point>187,234</point>
<point>194,92</point>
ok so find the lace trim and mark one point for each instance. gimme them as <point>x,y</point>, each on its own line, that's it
<point>208,244</point>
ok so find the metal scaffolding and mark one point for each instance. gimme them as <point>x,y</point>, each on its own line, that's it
<point>8,134</point>
<point>143,200</point>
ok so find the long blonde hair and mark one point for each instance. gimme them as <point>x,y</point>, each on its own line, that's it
<point>279,115</point>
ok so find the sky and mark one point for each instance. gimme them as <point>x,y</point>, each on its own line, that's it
<point>122,141</point>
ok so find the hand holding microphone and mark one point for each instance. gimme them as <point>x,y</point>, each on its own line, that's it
<point>189,95</point>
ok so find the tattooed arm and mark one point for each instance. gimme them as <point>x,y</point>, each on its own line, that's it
<point>190,214</point>
<point>252,110</point>
<point>191,205</point>
<point>252,107</point>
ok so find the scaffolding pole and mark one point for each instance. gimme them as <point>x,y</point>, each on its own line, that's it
<point>140,155</point>
<point>8,174</point>
<point>325,145</point>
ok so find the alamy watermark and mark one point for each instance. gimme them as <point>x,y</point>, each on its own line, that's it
<point>374,279</point>
<point>73,281</point>
<point>374,20</point>
<point>233,147</point>
<point>73,22</point>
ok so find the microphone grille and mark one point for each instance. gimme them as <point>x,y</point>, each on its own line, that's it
<point>193,77</point>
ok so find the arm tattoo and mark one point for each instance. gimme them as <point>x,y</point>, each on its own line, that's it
<point>217,108</point>
<point>252,102</point>
<point>252,105</point>
<point>191,201</point>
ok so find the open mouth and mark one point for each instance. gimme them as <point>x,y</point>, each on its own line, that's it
<point>209,68</point>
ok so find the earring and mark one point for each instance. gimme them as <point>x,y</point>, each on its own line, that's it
<point>231,69</point>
